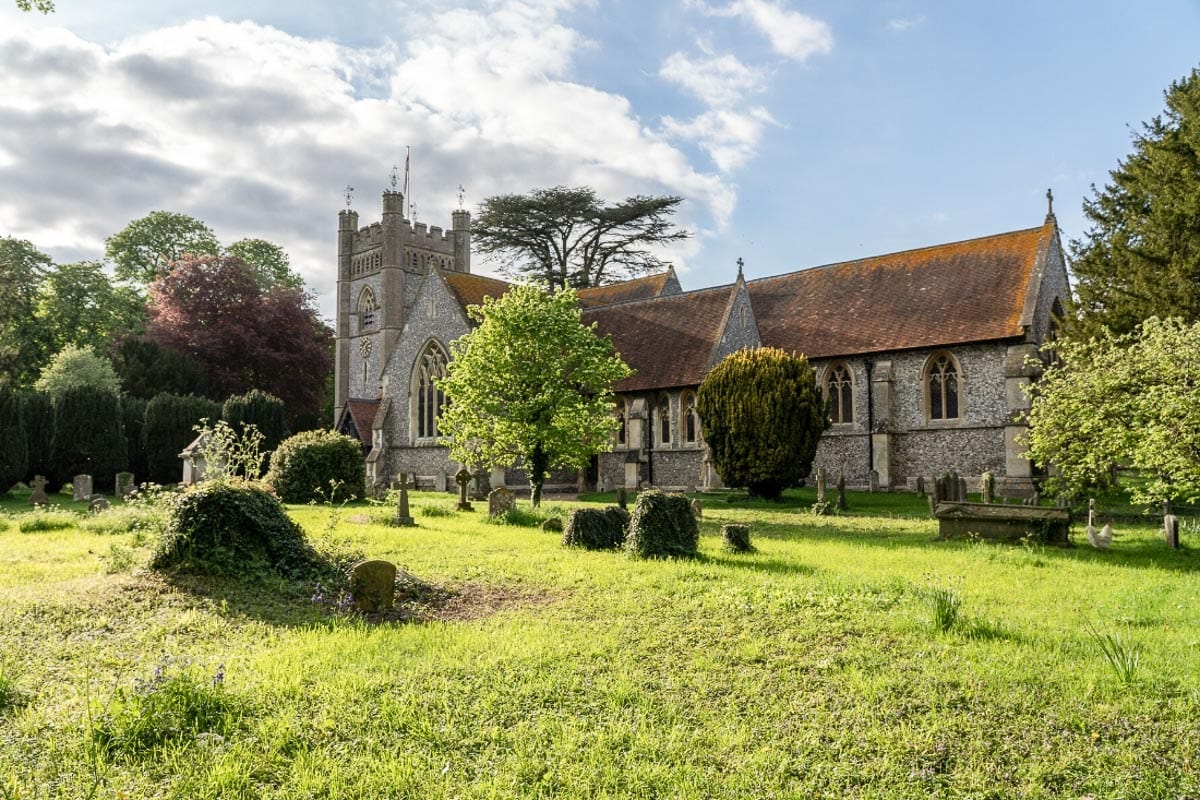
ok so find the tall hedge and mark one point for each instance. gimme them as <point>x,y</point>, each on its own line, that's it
<point>265,411</point>
<point>133,420</point>
<point>14,450</point>
<point>87,435</point>
<point>762,415</point>
<point>318,465</point>
<point>170,426</point>
<point>38,413</point>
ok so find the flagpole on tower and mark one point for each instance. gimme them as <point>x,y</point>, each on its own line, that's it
<point>407,199</point>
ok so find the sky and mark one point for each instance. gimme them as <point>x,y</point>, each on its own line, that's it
<point>798,133</point>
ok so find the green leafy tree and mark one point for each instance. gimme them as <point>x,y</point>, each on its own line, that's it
<point>530,385</point>
<point>1128,400</point>
<point>170,426</point>
<point>44,6</point>
<point>562,237</point>
<point>87,434</point>
<point>762,416</point>
<point>78,366</point>
<point>22,344</point>
<point>14,449</point>
<point>1141,255</point>
<point>268,261</point>
<point>145,249</point>
<point>78,304</point>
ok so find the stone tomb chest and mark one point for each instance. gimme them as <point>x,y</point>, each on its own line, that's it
<point>1003,523</point>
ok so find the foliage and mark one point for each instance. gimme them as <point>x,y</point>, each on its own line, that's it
<point>531,385</point>
<point>268,262</point>
<point>79,304</point>
<point>212,310</point>
<point>762,416</point>
<point>44,6</point>
<point>145,369</point>
<point>133,422</point>
<point>1124,657</point>
<point>229,453</point>
<point>944,603</point>
<point>170,426</point>
<point>47,519</point>
<point>1122,400</point>
<point>1141,255</point>
<point>147,248</point>
<point>22,346</point>
<point>564,237</point>
<point>305,464</point>
<point>74,367</point>
<point>662,526</point>
<point>14,449</point>
<point>87,435</point>
<point>596,528</point>
<point>232,528</point>
<point>144,518</point>
<point>736,538</point>
<point>38,417</point>
<point>265,412</point>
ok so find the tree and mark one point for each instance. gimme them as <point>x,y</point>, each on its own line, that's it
<point>133,422</point>
<point>147,247</point>
<point>269,263</point>
<point>762,416</point>
<point>44,6</point>
<point>77,366</point>
<point>1130,400</point>
<point>170,425</point>
<point>145,369</point>
<point>14,448</point>
<point>530,385</point>
<point>1141,255</point>
<point>78,304</point>
<point>87,434</point>
<point>212,310</point>
<point>564,237</point>
<point>38,416</point>
<point>22,346</point>
<point>266,412</point>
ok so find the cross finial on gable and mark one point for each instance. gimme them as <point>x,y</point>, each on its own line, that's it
<point>740,264</point>
<point>1049,203</point>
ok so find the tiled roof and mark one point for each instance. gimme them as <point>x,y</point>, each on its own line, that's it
<point>626,291</point>
<point>471,289</point>
<point>666,339</point>
<point>362,412</point>
<point>968,291</point>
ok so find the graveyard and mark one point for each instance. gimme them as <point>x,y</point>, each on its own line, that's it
<point>851,654</point>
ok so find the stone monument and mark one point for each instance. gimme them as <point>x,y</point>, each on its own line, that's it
<point>39,496</point>
<point>403,518</point>
<point>462,478</point>
<point>501,501</point>
<point>373,585</point>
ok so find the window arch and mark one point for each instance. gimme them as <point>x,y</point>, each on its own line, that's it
<point>623,419</point>
<point>662,418</point>
<point>689,421</point>
<point>428,399</point>
<point>943,387</point>
<point>366,308</point>
<point>839,390</point>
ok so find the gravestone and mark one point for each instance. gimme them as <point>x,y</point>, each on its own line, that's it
<point>97,503</point>
<point>500,502</point>
<point>872,481</point>
<point>481,485</point>
<point>962,489</point>
<point>439,482</point>
<point>39,496</point>
<point>932,502</point>
<point>462,478</point>
<point>373,585</point>
<point>841,486</point>
<point>920,484</point>
<point>987,487</point>
<point>697,509</point>
<point>81,486</point>
<point>820,485</point>
<point>125,484</point>
<point>1171,530</point>
<point>403,517</point>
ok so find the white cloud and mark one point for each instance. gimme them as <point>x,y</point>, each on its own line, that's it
<point>904,24</point>
<point>729,136</point>
<point>716,80</point>
<point>255,131</point>
<point>792,34</point>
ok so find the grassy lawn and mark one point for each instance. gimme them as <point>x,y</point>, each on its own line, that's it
<point>810,668</point>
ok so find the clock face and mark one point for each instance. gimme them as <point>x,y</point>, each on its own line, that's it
<point>364,347</point>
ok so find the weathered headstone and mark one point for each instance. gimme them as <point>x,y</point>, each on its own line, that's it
<point>125,484</point>
<point>39,496</point>
<point>439,482</point>
<point>920,484</point>
<point>872,481</point>
<point>403,517</point>
<point>961,488</point>
<point>932,502</point>
<point>500,502</point>
<point>373,585</point>
<point>697,509</point>
<point>462,478</point>
<point>481,484</point>
<point>623,497</point>
<point>1171,530</point>
<point>81,486</point>
<point>820,485</point>
<point>987,487</point>
<point>841,487</point>
<point>97,503</point>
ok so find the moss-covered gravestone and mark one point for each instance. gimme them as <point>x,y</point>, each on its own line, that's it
<point>373,585</point>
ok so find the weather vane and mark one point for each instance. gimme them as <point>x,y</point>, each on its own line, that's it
<point>461,193</point>
<point>1049,201</point>
<point>349,194</point>
<point>395,176</point>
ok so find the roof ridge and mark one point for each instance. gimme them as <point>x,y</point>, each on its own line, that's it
<point>661,297</point>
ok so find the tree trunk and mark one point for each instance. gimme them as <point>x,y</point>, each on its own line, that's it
<point>537,474</point>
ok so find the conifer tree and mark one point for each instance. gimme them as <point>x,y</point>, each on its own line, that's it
<point>170,426</point>
<point>14,452</point>
<point>38,415</point>
<point>87,434</point>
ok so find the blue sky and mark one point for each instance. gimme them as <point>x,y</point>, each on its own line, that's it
<point>800,133</point>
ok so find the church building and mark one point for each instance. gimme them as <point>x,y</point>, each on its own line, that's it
<point>923,354</point>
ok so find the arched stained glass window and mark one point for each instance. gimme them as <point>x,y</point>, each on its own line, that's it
<point>429,399</point>
<point>943,384</point>
<point>839,388</point>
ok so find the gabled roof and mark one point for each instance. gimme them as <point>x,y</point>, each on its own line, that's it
<point>666,339</point>
<point>362,415</point>
<point>637,289</point>
<point>969,291</point>
<point>471,289</point>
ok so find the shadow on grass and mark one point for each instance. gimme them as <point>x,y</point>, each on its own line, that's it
<point>754,562</point>
<point>275,600</point>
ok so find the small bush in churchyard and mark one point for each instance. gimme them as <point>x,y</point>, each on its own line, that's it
<point>595,528</point>
<point>304,466</point>
<point>736,538</point>
<point>662,525</point>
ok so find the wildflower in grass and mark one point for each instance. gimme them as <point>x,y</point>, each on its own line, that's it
<point>345,601</point>
<point>219,678</point>
<point>319,595</point>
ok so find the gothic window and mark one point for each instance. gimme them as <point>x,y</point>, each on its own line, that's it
<point>662,414</point>
<point>943,387</point>
<point>428,399</point>
<point>414,260</point>
<point>366,309</point>
<point>691,422</point>
<point>623,418</point>
<point>839,389</point>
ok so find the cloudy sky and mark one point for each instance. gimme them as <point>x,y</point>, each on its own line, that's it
<point>799,133</point>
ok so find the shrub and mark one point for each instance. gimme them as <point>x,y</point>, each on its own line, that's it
<point>228,528</point>
<point>264,411</point>
<point>133,420</point>
<point>38,413</point>
<point>51,520</point>
<point>662,525</point>
<point>737,538</point>
<point>126,519</point>
<point>171,420</point>
<point>87,434</point>
<point>311,465</point>
<point>14,449</point>
<point>595,529</point>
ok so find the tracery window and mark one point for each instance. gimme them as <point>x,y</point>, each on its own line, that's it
<point>839,389</point>
<point>943,387</point>
<point>690,422</point>
<point>663,418</point>
<point>623,418</point>
<point>428,398</point>
<point>366,308</point>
